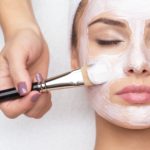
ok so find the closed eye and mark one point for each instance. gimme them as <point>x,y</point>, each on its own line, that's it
<point>108,42</point>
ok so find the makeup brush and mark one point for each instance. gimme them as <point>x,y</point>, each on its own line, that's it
<point>75,78</point>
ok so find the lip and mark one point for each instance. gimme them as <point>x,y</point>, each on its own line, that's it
<point>135,94</point>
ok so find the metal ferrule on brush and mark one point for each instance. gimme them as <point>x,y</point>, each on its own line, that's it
<point>70,79</point>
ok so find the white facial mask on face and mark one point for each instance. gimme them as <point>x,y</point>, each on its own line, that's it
<point>135,56</point>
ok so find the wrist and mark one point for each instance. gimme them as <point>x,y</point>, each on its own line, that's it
<point>17,15</point>
<point>10,32</point>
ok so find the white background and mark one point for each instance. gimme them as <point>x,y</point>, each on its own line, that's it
<point>70,124</point>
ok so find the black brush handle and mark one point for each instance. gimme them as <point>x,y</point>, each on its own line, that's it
<point>12,93</point>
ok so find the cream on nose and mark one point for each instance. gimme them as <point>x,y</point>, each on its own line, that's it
<point>137,62</point>
<point>132,70</point>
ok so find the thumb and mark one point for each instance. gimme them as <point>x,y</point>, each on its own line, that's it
<point>18,71</point>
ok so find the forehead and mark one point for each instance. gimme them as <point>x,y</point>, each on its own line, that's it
<point>133,9</point>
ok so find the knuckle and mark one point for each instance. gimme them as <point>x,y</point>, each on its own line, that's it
<point>38,116</point>
<point>11,112</point>
<point>35,116</point>
<point>46,107</point>
<point>39,113</point>
<point>11,115</point>
<point>45,103</point>
<point>49,106</point>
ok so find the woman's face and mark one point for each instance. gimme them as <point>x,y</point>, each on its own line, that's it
<point>117,32</point>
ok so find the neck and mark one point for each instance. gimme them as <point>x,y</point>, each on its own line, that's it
<point>111,137</point>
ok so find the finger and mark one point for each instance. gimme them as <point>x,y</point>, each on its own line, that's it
<point>18,70</point>
<point>13,109</point>
<point>41,107</point>
<point>5,80</point>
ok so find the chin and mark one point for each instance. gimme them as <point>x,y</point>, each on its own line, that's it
<point>129,125</point>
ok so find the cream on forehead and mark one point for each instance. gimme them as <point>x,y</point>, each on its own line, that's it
<point>124,10</point>
<point>127,8</point>
<point>136,15</point>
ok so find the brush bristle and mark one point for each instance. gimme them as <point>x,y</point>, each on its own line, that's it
<point>86,79</point>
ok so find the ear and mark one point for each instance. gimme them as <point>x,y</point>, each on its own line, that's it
<point>74,59</point>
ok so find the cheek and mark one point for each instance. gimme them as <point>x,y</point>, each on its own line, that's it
<point>114,88</point>
<point>105,92</point>
<point>107,68</point>
<point>98,94</point>
<point>99,99</point>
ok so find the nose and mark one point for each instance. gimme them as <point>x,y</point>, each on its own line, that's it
<point>137,63</point>
<point>143,70</point>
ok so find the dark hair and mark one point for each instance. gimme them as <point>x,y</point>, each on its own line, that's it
<point>76,19</point>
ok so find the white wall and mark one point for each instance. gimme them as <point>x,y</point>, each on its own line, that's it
<point>70,123</point>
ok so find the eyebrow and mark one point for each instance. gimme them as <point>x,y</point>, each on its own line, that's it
<point>108,22</point>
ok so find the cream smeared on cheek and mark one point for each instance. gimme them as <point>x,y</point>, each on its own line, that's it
<point>122,115</point>
<point>99,72</point>
<point>106,68</point>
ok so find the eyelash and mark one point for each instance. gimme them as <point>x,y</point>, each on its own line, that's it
<point>108,42</point>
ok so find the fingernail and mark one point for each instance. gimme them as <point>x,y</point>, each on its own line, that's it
<point>35,97</point>
<point>39,77</point>
<point>22,88</point>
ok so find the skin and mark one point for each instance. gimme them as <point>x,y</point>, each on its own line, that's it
<point>24,54</point>
<point>112,134</point>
